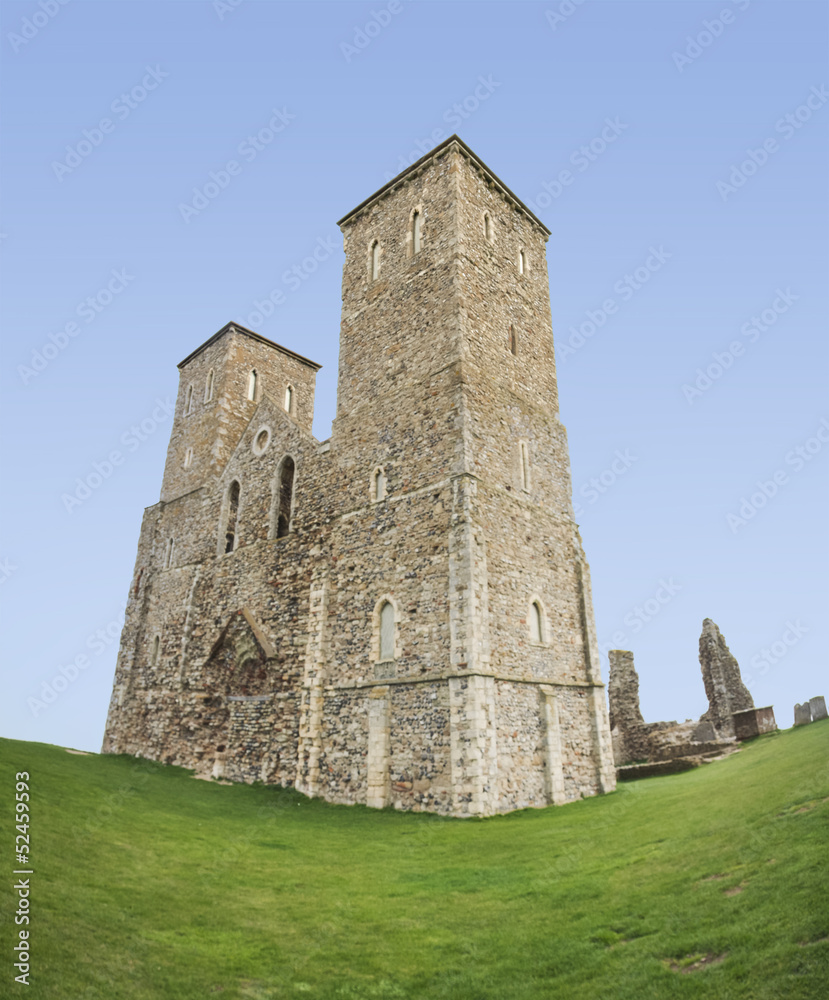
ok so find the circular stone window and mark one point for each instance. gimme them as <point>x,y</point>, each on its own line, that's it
<point>261,441</point>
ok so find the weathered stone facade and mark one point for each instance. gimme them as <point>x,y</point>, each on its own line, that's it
<point>724,686</point>
<point>400,615</point>
<point>751,722</point>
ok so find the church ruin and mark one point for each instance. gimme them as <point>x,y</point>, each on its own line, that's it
<point>401,614</point>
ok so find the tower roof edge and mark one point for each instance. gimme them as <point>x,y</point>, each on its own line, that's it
<point>238,328</point>
<point>461,146</point>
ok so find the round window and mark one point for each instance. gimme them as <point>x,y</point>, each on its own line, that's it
<point>261,441</point>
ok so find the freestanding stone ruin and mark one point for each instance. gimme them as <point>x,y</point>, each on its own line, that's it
<point>399,615</point>
<point>818,708</point>
<point>724,686</point>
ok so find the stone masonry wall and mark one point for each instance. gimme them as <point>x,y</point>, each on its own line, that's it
<point>263,662</point>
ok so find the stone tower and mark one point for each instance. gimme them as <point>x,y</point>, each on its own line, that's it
<point>401,614</point>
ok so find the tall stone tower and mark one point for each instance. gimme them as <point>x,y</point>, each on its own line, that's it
<point>415,627</point>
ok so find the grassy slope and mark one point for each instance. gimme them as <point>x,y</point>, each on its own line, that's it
<point>151,885</point>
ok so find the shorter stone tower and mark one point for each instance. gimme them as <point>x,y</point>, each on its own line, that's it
<point>401,614</point>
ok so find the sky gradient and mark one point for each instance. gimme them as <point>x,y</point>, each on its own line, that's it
<point>679,157</point>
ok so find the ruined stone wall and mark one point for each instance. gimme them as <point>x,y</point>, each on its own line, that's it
<point>724,687</point>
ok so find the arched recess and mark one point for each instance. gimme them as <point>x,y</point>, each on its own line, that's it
<point>537,622</point>
<point>231,516</point>
<point>283,498</point>
<point>374,260</point>
<point>414,233</point>
<point>384,636</point>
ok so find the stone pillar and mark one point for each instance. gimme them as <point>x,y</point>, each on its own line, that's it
<point>472,746</point>
<point>313,699</point>
<point>605,768</point>
<point>723,684</point>
<point>378,782</point>
<point>623,691</point>
<point>552,745</point>
<point>802,714</point>
<point>818,708</point>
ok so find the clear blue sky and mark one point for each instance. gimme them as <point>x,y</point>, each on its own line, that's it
<point>690,156</point>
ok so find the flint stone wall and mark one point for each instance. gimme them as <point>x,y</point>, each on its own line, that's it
<point>267,664</point>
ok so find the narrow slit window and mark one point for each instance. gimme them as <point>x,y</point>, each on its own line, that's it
<point>289,398</point>
<point>286,496</point>
<point>525,466</point>
<point>379,484</point>
<point>232,515</point>
<point>168,556</point>
<point>536,623</point>
<point>375,260</point>
<point>208,387</point>
<point>513,341</point>
<point>188,458</point>
<point>416,220</point>
<point>521,262</point>
<point>387,631</point>
<point>487,227</point>
<point>188,401</point>
<point>154,654</point>
<point>253,383</point>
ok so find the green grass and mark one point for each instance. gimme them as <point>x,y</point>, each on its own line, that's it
<point>149,884</point>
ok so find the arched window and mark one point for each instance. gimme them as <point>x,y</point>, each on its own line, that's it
<point>289,398</point>
<point>208,387</point>
<point>375,260</point>
<point>387,631</point>
<point>536,623</point>
<point>188,401</point>
<point>168,555</point>
<point>524,457</point>
<point>416,221</point>
<point>522,263</point>
<point>232,515</point>
<point>487,227</point>
<point>253,381</point>
<point>188,458</point>
<point>513,340</point>
<point>378,484</point>
<point>155,649</point>
<point>285,498</point>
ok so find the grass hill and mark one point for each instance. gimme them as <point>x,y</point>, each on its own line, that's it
<point>148,884</point>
